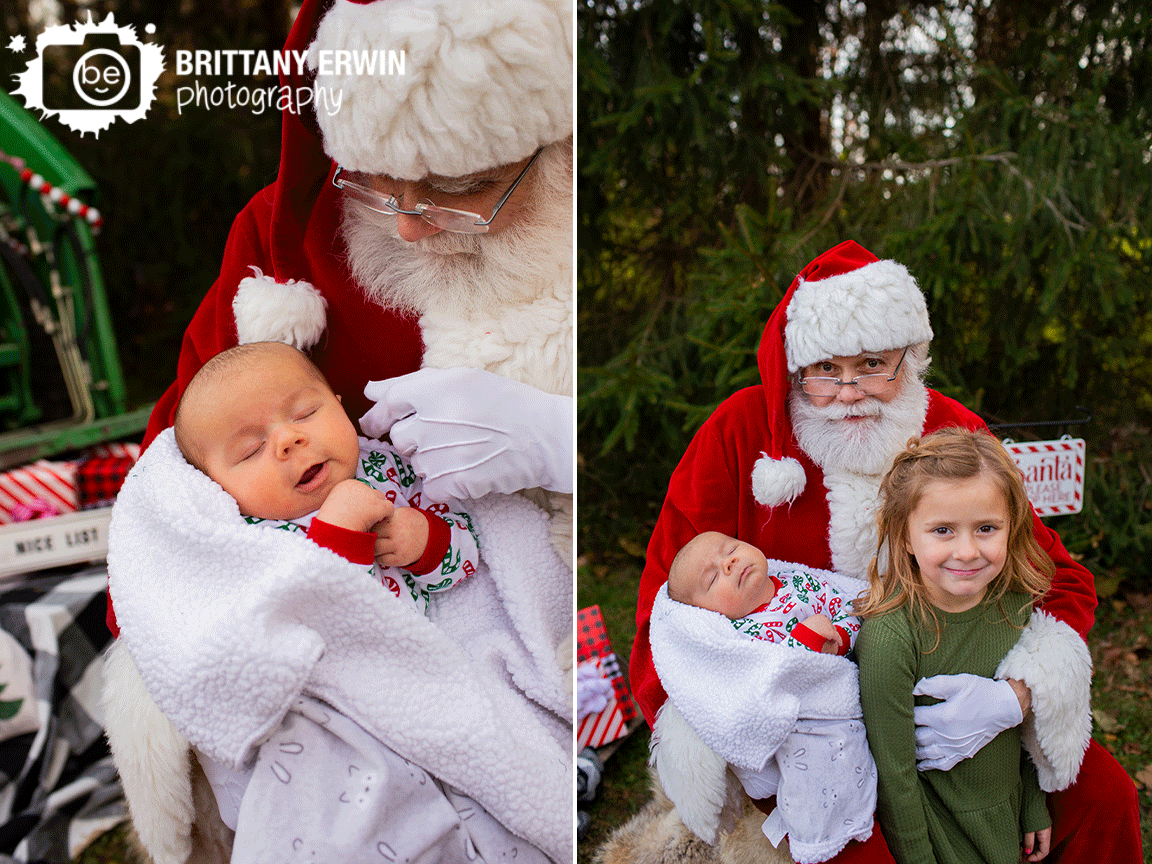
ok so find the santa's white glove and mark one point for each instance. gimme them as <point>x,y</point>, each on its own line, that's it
<point>974,711</point>
<point>468,432</point>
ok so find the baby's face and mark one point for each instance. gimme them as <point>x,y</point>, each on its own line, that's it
<point>723,574</point>
<point>277,439</point>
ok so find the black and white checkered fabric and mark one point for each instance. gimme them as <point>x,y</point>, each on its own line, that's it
<point>58,787</point>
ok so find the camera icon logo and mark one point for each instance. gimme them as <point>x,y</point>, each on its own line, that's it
<point>103,71</point>
<point>109,75</point>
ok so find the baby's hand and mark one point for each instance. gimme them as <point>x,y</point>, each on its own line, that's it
<point>822,625</point>
<point>355,506</point>
<point>401,538</point>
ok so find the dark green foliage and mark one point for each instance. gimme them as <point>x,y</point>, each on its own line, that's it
<point>1000,151</point>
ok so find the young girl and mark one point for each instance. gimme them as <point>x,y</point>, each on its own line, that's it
<point>963,569</point>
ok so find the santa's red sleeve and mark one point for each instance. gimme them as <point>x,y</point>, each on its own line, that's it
<point>702,495</point>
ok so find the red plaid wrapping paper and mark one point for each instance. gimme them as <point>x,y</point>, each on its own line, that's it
<point>53,483</point>
<point>100,478</point>
<point>592,644</point>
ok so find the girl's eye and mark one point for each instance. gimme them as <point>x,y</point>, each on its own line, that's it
<point>940,531</point>
<point>306,414</point>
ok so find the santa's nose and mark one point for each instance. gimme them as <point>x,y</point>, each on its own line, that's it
<point>849,393</point>
<point>413,228</point>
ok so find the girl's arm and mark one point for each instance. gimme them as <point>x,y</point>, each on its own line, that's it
<point>887,676</point>
<point>1034,817</point>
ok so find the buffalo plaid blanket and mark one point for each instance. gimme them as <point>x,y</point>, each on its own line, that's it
<point>58,787</point>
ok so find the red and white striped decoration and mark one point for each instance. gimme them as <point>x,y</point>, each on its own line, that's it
<point>53,194</point>
<point>53,483</point>
<point>1053,473</point>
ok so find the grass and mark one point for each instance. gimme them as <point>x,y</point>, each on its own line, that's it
<point>1121,646</point>
<point>110,848</point>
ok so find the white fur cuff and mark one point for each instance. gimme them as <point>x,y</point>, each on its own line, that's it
<point>291,312</point>
<point>1052,659</point>
<point>691,775</point>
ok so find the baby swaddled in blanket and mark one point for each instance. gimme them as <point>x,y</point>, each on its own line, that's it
<point>290,730</point>
<point>752,653</point>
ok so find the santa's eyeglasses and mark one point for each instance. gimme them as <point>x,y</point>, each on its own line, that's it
<point>444,218</point>
<point>870,385</point>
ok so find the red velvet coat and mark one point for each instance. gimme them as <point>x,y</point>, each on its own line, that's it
<point>711,490</point>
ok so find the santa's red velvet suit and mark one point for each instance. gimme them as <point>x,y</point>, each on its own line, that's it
<point>745,475</point>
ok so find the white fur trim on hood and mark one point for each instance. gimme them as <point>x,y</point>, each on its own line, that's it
<point>1052,659</point>
<point>776,481</point>
<point>291,312</point>
<point>876,307</point>
<point>485,83</point>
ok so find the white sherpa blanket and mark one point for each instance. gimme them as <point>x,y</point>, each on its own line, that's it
<point>229,623</point>
<point>741,695</point>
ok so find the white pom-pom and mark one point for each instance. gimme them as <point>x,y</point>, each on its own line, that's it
<point>776,481</point>
<point>291,312</point>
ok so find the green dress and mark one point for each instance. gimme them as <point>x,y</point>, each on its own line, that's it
<point>981,808</point>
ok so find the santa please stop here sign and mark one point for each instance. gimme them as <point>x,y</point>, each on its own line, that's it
<point>1053,473</point>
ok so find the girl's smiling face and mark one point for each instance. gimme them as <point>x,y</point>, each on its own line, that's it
<point>958,534</point>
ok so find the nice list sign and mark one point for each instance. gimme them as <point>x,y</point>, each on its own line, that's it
<point>1053,473</point>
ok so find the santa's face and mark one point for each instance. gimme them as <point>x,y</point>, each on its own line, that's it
<point>478,193</point>
<point>856,432</point>
<point>527,246</point>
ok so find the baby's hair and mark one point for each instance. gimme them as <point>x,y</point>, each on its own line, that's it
<point>950,454</point>
<point>230,361</point>
<point>673,590</point>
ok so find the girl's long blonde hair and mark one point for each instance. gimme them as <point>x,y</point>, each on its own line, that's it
<point>949,454</point>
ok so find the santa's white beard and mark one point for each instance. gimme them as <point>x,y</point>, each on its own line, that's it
<point>469,271</point>
<point>865,446</point>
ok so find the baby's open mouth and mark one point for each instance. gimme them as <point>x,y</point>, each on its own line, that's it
<point>310,474</point>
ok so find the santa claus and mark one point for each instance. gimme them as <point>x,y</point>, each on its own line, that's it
<point>798,476</point>
<point>418,238</point>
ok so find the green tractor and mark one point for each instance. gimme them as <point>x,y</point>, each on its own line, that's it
<point>61,387</point>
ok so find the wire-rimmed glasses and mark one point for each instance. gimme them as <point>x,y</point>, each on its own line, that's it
<point>875,384</point>
<point>444,218</point>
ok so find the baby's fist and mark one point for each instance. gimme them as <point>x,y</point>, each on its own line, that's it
<point>354,505</point>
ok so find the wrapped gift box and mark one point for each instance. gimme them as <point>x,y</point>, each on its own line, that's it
<point>592,647</point>
<point>40,489</point>
<point>99,478</point>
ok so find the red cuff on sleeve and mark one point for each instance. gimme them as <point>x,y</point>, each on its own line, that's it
<point>807,637</point>
<point>845,640</point>
<point>439,538</point>
<point>359,547</point>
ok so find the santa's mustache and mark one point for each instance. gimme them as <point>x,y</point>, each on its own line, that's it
<point>867,407</point>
